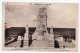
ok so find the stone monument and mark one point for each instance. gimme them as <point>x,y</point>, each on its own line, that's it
<point>41,24</point>
<point>41,37</point>
<point>27,33</point>
<point>51,33</point>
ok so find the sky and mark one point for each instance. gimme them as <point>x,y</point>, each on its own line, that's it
<point>59,15</point>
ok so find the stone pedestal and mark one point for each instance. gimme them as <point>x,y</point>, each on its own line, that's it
<point>40,37</point>
<point>26,37</point>
<point>26,34</point>
<point>51,37</point>
<point>37,36</point>
<point>51,33</point>
<point>19,38</point>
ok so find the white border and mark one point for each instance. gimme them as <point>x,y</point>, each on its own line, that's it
<point>68,1</point>
<point>58,1</point>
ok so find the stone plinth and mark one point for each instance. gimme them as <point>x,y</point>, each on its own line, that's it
<point>26,34</point>
<point>36,36</point>
<point>19,38</point>
<point>40,37</point>
<point>26,37</point>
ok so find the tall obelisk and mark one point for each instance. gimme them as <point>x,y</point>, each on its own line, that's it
<point>41,23</point>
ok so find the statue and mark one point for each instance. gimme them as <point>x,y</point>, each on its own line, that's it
<point>27,33</point>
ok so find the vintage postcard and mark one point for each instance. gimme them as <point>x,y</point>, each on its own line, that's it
<point>40,26</point>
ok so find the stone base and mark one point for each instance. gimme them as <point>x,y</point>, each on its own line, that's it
<point>40,37</point>
<point>39,44</point>
<point>51,37</point>
<point>26,37</point>
<point>19,38</point>
<point>35,36</point>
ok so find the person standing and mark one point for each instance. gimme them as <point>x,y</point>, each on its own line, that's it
<point>30,40</point>
<point>56,44</point>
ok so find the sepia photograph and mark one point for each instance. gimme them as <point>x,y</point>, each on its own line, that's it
<point>40,26</point>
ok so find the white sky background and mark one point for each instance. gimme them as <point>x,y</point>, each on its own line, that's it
<point>60,15</point>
